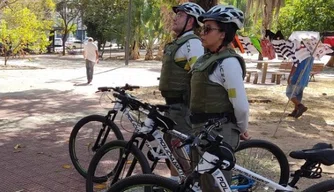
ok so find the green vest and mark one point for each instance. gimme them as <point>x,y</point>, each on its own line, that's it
<point>174,79</point>
<point>207,96</point>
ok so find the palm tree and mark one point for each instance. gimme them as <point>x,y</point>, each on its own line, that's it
<point>268,8</point>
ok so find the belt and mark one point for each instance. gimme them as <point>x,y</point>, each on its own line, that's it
<point>174,100</point>
<point>197,118</point>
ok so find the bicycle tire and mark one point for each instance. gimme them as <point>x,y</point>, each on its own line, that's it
<point>82,169</point>
<point>147,179</point>
<point>324,186</point>
<point>135,151</point>
<point>273,151</point>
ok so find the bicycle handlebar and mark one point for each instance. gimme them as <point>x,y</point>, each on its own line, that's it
<point>147,106</point>
<point>127,87</point>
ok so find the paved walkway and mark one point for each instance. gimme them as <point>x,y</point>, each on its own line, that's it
<point>38,109</point>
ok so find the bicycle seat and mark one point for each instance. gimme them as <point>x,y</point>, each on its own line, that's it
<point>323,156</point>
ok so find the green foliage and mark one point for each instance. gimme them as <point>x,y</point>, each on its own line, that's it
<point>21,28</point>
<point>307,15</point>
<point>105,19</point>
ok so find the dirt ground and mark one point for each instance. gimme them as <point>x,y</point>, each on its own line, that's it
<point>46,93</point>
<point>269,122</point>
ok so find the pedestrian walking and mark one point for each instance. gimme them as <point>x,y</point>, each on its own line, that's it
<point>91,55</point>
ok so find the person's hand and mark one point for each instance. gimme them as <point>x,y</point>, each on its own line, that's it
<point>245,136</point>
<point>97,60</point>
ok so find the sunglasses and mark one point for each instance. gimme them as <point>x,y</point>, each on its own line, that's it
<point>206,29</point>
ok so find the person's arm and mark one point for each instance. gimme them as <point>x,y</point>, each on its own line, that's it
<point>96,54</point>
<point>84,52</point>
<point>229,75</point>
<point>192,50</point>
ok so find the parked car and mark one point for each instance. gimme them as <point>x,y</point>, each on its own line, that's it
<point>58,42</point>
<point>73,43</point>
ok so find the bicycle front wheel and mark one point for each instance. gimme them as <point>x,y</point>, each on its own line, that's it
<point>145,183</point>
<point>324,186</point>
<point>83,137</point>
<point>264,158</point>
<point>110,160</point>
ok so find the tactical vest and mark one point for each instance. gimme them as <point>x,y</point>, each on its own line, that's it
<point>207,96</point>
<point>174,79</point>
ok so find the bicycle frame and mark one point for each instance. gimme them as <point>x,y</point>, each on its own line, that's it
<point>205,165</point>
<point>158,137</point>
<point>110,116</point>
<point>162,145</point>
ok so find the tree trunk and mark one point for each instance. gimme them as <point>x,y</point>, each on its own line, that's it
<point>330,63</point>
<point>134,55</point>
<point>64,41</point>
<point>259,65</point>
<point>206,5</point>
<point>6,58</point>
<point>160,51</point>
<point>149,54</point>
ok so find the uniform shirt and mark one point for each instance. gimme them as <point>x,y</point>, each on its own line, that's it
<point>229,75</point>
<point>90,51</point>
<point>189,52</point>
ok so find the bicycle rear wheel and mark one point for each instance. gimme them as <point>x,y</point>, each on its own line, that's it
<point>145,183</point>
<point>264,158</point>
<point>108,159</point>
<point>84,136</point>
<point>325,186</point>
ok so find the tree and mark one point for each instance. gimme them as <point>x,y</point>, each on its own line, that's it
<point>68,11</point>
<point>20,27</point>
<point>104,20</point>
<point>152,28</point>
<point>268,8</point>
<point>308,15</point>
<point>206,5</point>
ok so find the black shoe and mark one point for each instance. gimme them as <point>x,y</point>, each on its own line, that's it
<point>293,113</point>
<point>301,109</point>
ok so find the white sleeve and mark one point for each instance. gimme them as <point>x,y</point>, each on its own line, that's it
<point>229,75</point>
<point>192,50</point>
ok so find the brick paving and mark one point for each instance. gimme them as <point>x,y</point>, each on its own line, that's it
<point>38,109</point>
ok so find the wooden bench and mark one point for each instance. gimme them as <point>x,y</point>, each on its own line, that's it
<point>316,68</point>
<point>284,68</point>
<point>249,74</point>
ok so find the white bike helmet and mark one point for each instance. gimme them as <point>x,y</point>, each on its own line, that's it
<point>191,9</point>
<point>224,14</point>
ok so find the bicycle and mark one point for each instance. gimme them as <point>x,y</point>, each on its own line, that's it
<point>218,156</point>
<point>149,133</point>
<point>105,128</point>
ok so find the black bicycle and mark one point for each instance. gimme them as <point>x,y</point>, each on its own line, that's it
<point>93,131</point>
<point>106,166</point>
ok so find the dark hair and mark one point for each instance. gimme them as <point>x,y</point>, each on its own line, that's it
<point>230,30</point>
